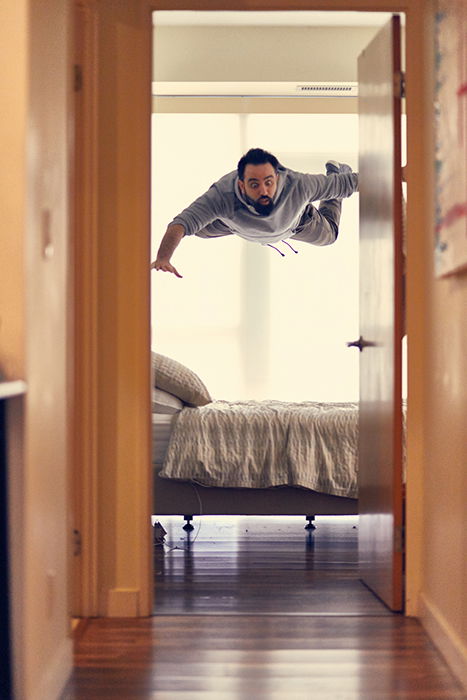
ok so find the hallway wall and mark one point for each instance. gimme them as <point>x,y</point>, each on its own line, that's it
<point>437,322</point>
<point>34,313</point>
<point>444,602</point>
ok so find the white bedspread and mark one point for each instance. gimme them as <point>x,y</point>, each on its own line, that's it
<point>258,444</point>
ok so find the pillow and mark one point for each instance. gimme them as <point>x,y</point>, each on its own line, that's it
<point>163,402</point>
<point>176,379</point>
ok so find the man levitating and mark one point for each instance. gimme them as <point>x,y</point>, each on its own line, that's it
<point>264,202</point>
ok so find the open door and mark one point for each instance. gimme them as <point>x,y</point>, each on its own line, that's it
<point>381,322</point>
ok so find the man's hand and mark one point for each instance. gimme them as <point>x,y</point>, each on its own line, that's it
<point>172,238</point>
<point>165,266</point>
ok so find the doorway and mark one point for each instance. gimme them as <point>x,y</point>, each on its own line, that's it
<point>300,164</point>
<point>117,482</point>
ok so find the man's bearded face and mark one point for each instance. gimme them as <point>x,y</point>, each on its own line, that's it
<point>259,187</point>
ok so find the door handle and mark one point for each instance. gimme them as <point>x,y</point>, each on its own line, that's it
<point>360,344</point>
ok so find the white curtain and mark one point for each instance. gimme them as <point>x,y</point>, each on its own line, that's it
<point>251,323</point>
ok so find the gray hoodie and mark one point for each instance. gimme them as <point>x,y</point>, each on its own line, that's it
<point>223,210</point>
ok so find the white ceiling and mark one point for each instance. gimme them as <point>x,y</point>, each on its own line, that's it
<point>282,19</point>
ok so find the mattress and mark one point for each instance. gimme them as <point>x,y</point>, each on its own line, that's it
<point>162,425</point>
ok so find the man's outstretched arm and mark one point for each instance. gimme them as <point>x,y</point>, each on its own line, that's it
<point>169,243</point>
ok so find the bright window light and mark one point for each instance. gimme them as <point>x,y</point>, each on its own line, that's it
<point>253,324</point>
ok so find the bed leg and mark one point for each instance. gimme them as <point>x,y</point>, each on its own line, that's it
<point>310,525</point>
<point>188,527</point>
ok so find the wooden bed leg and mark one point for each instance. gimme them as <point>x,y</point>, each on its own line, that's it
<point>310,525</point>
<point>188,527</point>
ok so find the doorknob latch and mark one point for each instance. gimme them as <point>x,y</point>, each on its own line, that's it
<point>360,344</point>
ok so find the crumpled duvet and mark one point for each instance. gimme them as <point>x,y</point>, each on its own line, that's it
<point>259,444</point>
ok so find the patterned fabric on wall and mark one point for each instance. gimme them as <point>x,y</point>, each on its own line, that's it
<point>451,136</point>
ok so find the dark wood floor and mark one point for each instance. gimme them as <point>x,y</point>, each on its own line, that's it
<point>256,608</point>
<point>261,565</point>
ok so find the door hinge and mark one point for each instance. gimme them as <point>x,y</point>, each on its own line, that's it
<point>77,77</point>
<point>399,84</point>
<point>399,538</point>
<point>76,543</point>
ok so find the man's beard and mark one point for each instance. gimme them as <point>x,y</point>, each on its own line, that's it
<point>262,208</point>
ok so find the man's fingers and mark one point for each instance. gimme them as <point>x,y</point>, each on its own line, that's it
<point>165,267</point>
<point>173,270</point>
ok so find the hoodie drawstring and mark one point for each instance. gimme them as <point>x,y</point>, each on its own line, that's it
<point>273,246</point>
<point>286,243</point>
<point>279,251</point>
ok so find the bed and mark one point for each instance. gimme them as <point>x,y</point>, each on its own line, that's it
<point>215,457</point>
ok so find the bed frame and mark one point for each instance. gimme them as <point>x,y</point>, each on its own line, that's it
<point>189,500</point>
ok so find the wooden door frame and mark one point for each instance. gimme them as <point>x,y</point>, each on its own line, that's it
<point>84,491</point>
<point>106,595</point>
<point>111,482</point>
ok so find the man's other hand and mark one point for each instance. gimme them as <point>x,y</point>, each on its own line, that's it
<point>165,266</point>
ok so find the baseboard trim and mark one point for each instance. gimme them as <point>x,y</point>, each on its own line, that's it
<point>123,602</point>
<point>446,640</point>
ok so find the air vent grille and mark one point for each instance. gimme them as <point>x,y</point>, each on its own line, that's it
<point>329,89</point>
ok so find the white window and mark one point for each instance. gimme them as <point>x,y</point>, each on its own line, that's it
<point>254,324</point>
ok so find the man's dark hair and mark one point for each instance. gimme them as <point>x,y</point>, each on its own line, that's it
<point>255,156</point>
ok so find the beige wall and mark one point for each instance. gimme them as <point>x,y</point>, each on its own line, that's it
<point>443,599</point>
<point>258,53</point>
<point>444,591</point>
<point>34,307</point>
<point>13,100</point>
<point>437,487</point>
